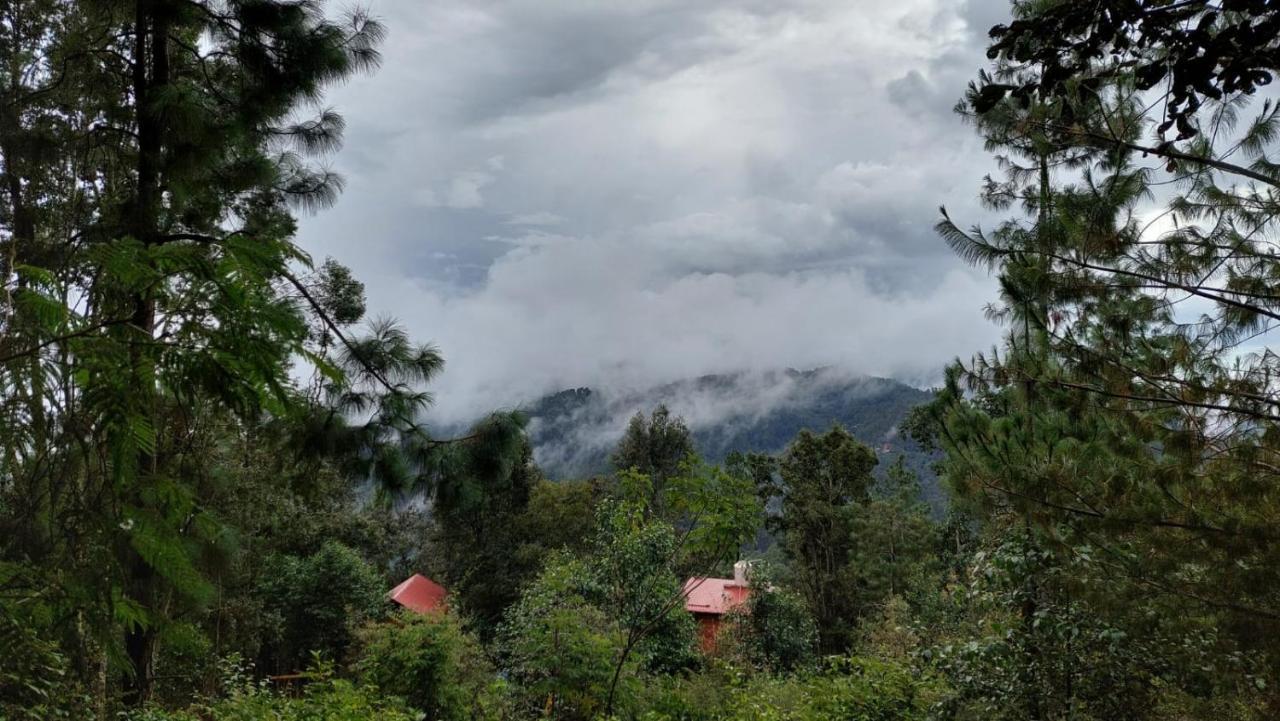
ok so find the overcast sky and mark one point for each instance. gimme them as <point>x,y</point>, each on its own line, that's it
<point>609,192</point>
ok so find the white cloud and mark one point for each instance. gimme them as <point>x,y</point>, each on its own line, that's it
<point>732,184</point>
<point>584,312</point>
<point>540,217</point>
<point>464,190</point>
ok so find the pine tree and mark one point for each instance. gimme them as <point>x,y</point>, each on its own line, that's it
<point>657,447</point>
<point>154,152</point>
<point>823,483</point>
<point>1113,418</point>
<point>895,537</point>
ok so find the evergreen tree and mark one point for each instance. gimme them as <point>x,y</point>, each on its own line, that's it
<point>1112,419</point>
<point>896,538</point>
<point>478,534</point>
<point>656,447</point>
<point>821,485</point>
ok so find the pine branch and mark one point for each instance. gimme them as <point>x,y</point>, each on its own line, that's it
<point>1168,151</point>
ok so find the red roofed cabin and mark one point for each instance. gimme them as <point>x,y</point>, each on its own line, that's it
<point>419,594</point>
<point>709,599</point>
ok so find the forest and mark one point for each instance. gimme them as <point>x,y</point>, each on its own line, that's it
<point>215,463</point>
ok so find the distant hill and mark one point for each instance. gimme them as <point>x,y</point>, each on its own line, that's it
<point>574,431</point>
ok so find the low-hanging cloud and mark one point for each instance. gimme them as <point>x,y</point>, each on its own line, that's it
<point>548,318</point>
<point>562,194</point>
<point>576,437</point>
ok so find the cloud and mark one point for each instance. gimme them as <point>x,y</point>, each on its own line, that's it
<point>552,317</point>
<point>462,192</point>
<point>562,193</point>
<point>539,217</point>
<point>579,435</point>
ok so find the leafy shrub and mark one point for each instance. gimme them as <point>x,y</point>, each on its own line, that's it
<point>324,699</point>
<point>316,603</point>
<point>847,689</point>
<point>700,696</point>
<point>34,681</point>
<point>773,630</point>
<point>430,662</point>
<point>559,650</point>
<point>189,661</point>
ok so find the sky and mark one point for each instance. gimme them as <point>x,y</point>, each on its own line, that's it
<point>596,193</point>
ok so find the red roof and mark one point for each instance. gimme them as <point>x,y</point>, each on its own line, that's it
<point>419,594</point>
<point>713,595</point>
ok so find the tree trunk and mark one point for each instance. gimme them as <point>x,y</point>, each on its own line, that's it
<point>150,71</point>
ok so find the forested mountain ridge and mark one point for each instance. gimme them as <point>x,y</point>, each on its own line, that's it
<point>573,431</point>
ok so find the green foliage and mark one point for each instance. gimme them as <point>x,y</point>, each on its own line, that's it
<point>149,225</point>
<point>339,293</point>
<point>316,603</point>
<point>1037,647</point>
<point>846,688</point>
<point>774,630</point>
<point>430,662</point>
<point>625,583</point>
<point>821,483</point>
<point>35,682</point>
<point>630,575</point>
<point>657,448</point>
<point>324,699</point>
<point>896,539</point>
<point>559,516</point>
<point>190,663</point>
<point>560,649</point>
<point>478,532</point>
<point>717,512</point>
<point>1115,432</point>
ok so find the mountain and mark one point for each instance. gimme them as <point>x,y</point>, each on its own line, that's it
<point>574,431</point>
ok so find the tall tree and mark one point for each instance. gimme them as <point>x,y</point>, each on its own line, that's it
<point>1126,411</point>
<point>153,153</point>
<point>656,447</point>
<point>478,533</point>
<point>896,539</point>
<point>821,484</point>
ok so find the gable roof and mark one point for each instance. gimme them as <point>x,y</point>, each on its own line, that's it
<point>713,595</point>
<point>419,594</point>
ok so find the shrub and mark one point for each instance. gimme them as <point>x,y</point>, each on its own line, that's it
<point>773,630</point>
<point>315,604</point>
<point>847,689</point>
<point>559,650</point>
<point>325,699</point>
<point>430,662</point>
<point>35,679</point>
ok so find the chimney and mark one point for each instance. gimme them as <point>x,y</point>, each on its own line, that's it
<point>740,573</point>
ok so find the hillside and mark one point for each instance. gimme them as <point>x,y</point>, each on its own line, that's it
<point>574,431</point>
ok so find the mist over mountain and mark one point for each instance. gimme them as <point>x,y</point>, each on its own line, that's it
<point>574,431</point>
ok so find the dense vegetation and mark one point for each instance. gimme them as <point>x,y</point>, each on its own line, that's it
<point>213,465</point>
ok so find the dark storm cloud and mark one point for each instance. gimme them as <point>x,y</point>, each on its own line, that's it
<point>569,193</point>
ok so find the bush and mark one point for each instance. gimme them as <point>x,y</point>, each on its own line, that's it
<point>35,679</point>
<point>700,696</point>
<point>315,604</point>
<point>189,661</point>
<point>773,630</point>
<point>559,650</point>
<point>324,699</point>
<point>847,689</point>
<point>430,662</point>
